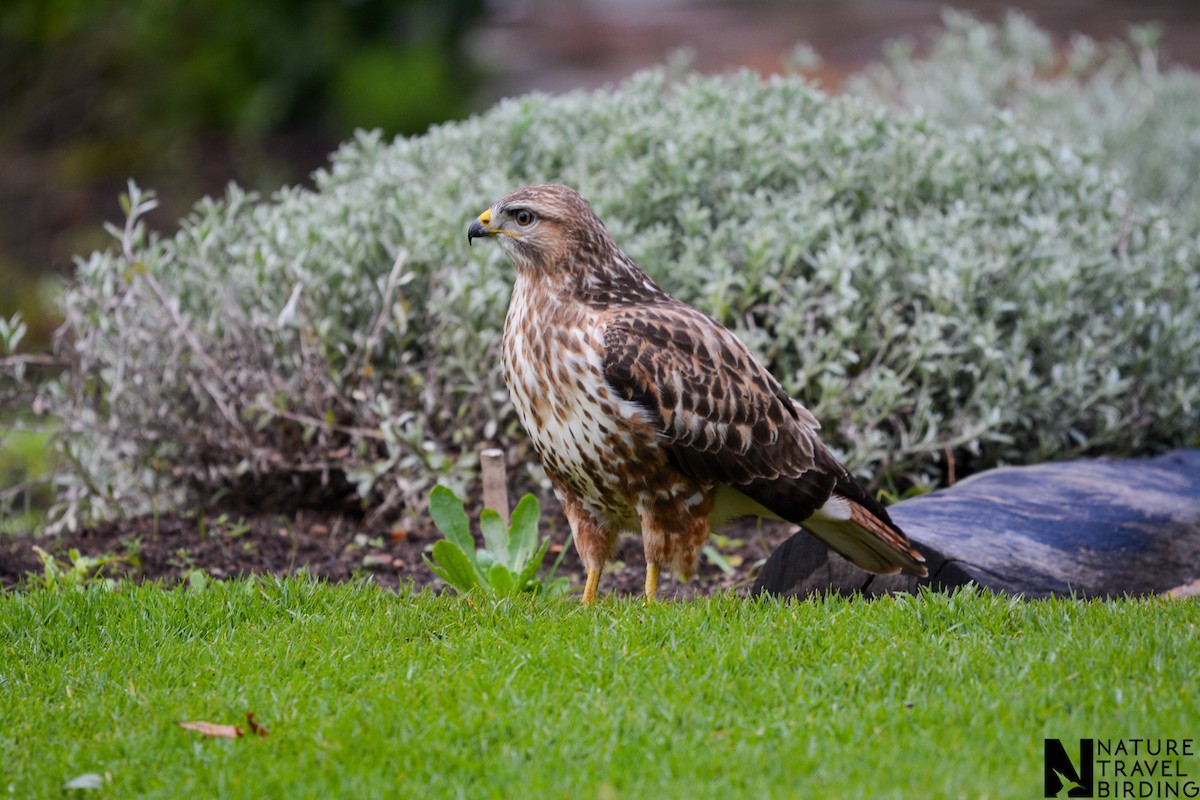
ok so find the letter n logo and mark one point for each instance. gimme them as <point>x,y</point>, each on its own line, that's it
<point>1060,773</point>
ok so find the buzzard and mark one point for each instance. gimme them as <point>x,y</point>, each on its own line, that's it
<point>649,415</point>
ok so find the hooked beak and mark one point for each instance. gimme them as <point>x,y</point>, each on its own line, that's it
<point>481,227</point>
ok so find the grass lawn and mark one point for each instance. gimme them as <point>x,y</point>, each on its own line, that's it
<point>370,694</point>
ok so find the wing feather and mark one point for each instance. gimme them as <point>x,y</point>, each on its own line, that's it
<point>725,420</point>
<point>721,415</point>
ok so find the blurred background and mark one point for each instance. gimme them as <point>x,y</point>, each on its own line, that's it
<point>186,97</point>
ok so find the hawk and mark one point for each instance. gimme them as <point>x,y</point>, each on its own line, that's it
<point>649,415</point>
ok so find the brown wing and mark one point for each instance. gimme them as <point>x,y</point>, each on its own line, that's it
<point>721,415</point>
<point>724,419</point>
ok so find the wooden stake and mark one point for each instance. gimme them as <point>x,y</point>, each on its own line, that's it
<point>495,481</point>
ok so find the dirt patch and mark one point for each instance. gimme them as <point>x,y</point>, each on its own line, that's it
<point>339,547</point>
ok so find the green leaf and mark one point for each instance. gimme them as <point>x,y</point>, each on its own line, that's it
<point>495,535</point>
<point>436,570</point>
<point>717,559</point>
<point>454,567</point>
<point>523,531</point>
<point>447,511</point>
<point>502,579</point>
<point>197,580</point>
<point>530,571</point>
<point>484,560</point>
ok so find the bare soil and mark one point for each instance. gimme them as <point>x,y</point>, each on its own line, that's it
<point>340,547</point>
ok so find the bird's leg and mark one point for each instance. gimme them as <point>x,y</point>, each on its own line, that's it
<point>651,581</point>
<point>589,588</point>
<point>594,539</point>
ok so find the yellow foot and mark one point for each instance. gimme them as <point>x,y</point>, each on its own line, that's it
<point>589,588</point>
<point>651,581</point>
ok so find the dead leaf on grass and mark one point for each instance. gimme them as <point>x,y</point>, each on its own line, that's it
<point>226,731</point>
<point>213,729</point>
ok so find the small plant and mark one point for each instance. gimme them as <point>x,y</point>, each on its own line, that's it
<point>79,572</point>
<point>509,561</point>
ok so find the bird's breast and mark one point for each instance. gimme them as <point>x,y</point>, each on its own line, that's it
<point>586,434</point>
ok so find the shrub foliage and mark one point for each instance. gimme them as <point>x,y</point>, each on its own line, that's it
<point>929,291</point>
<point>1116,97</point>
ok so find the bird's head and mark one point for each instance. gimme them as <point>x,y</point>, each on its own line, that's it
<point>547,229</point>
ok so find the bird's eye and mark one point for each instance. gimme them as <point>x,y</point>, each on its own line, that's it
<point>524,217</point>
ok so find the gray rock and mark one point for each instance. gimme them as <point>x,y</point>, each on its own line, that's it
<point>1101,528</point>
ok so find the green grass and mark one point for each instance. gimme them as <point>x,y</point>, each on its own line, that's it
<point>368,694</point>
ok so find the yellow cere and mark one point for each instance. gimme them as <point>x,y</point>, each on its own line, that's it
<point>486,217</point>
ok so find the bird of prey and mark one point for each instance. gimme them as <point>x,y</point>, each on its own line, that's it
<point>649,415</point>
